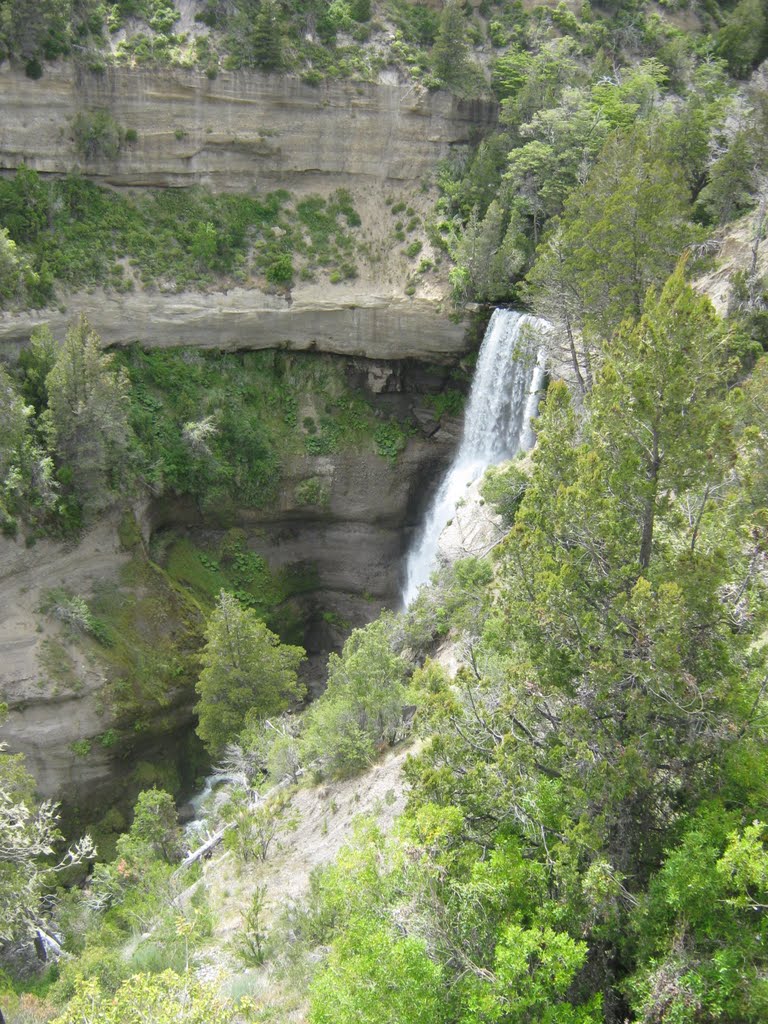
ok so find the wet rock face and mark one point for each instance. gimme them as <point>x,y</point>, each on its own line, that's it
<point>354,540</point>
<point>239,130</point>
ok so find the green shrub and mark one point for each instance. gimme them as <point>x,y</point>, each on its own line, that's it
<point>97,134</point>
<point>312,491</point>
<point>504,488</point>
<point>362,706</point>
<point>280,271</point>
<point>73,611</point>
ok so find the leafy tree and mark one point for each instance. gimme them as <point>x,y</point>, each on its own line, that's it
<point>700,928</point>
<point>31,29</point>
<point>253,827</point>
<point>166,998</point>
<point>742,39</point>
<point>488,255</point>
<point>503,487</point>
<point>87,416</point>
<point>35,363</point>
<point>247,673</point>
<point>204,244</point>
<point>661,403</point>
<point>27,487</point>
<point>252,936</point>
<point>97,134</point>
<point>621,232</point>
<point>29,838</point>
<point>362,706</point>
<point>156,823</point>
<point>375,977</point>
<point>24,205</point>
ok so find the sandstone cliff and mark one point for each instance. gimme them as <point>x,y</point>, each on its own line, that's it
<point>249,131</point>
<point>344,320</point>
<point>84,716</point>
<point>241,130</point>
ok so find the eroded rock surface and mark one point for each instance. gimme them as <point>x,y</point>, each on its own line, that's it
<point>345,322</point>
<point>238,130</point>
<point>61,688</point>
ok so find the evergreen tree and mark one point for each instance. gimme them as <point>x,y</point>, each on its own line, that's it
<point>362,706</point>
<point>742,39</point>
<point>620,233</point>
<point>247,673</point>
<point>610,693</point>
<point>156,823</point>
<point>266,42</point>
<point>87,417</point>
<point>449,54</point>
<point>731,184</point>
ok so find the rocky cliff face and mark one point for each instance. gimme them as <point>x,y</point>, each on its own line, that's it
<point>67,695</point>
<point>249,131</point>
<point>241,130</point>
<point>344,320</point>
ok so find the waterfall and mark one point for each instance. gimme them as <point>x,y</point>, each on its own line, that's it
<point>502,402</point>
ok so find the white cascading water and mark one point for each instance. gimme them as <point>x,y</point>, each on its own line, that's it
<point>502,402</point>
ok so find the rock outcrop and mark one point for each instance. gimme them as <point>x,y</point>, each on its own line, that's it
<point>240,130</point>
<point>60,687</point>
<point>251,131</point>
<point>345,321</point>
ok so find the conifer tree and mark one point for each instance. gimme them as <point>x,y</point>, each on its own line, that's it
<point>449,54</point>
<point>87,416</point>
<point>266,42</point>
<point>246,673</point>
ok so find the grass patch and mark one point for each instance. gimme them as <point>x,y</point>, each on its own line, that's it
<point>233,567</point>
<point>157,630</point>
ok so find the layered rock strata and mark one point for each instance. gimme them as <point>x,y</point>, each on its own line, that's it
<point>352,543</point>
<point>240,130</point>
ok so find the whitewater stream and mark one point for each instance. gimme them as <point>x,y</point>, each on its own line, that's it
<point>502,402</point>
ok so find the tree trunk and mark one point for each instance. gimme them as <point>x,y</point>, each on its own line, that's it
<point>649,510</point>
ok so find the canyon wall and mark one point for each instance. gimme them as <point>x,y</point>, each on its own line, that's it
<point>343,320</point>
<point>251,131</point>
<point>240,130</point>
<point>66,693</point>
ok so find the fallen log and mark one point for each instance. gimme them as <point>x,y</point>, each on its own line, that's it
<point>202,851</point>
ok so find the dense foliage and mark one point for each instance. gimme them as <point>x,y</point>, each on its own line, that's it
<point>358,39</point>
<point>86,430</point>
<point>246,672</point>
<point>71,233</point>
<point>586,837</point>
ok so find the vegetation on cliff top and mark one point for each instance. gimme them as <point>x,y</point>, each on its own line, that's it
<point>72,233</point>
<point>86,429</point>
<point>451,48</point>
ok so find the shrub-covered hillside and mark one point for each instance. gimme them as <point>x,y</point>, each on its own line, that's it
<point>585,828</point>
